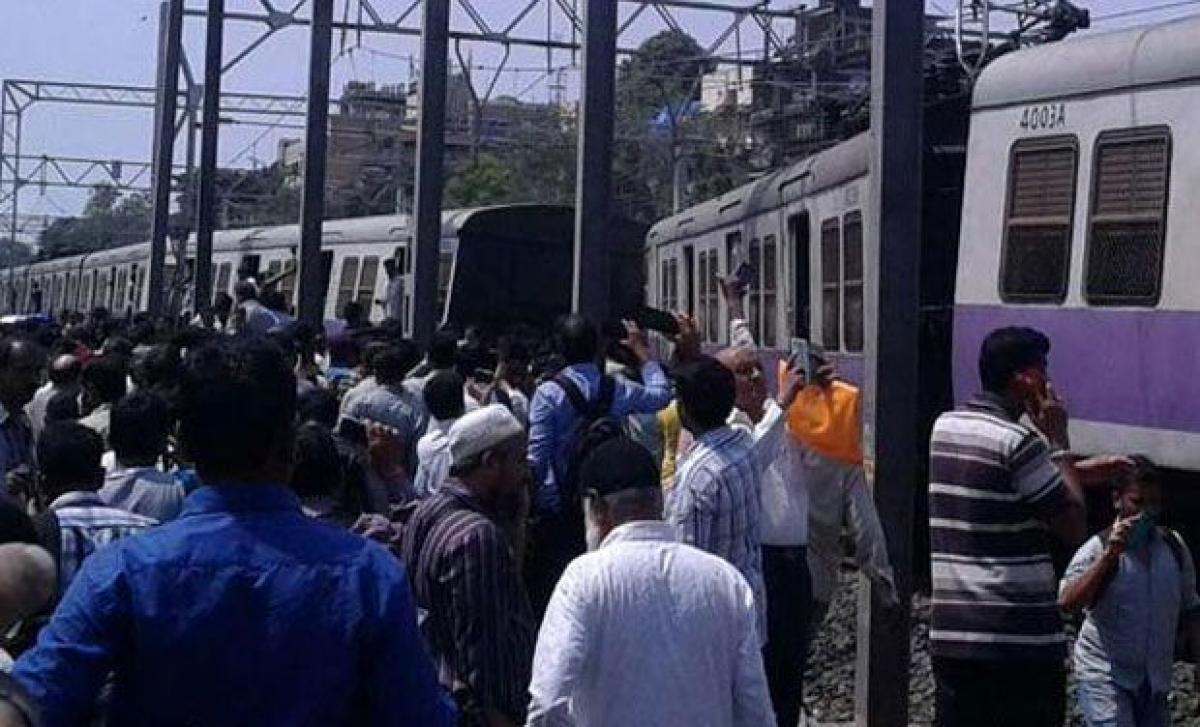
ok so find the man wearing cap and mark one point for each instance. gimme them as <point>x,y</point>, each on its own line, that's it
<point>645,630</point>
<point>464,575</point>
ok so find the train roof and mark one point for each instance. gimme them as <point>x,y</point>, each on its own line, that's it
<point>837,164</point>
<point>379,228</point>
<point>1087,64</point>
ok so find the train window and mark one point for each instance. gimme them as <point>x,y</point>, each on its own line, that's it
<point>1041,206</point>
<point>136,279</point>
<point>445,270</point>
<point>733,251</point>
<point>287,285</point>
<point>668,295</point>
<point>119,298</point>
<point>755,259</point>
<point>346,285</point>
<point>224,271</point>
<point>709,312</point>
<point>769,280</point>
<point>852,281</point>
<point>1128,217</point>
<point>831,284</point>
<point>366,286</point>
<point>798,236</point>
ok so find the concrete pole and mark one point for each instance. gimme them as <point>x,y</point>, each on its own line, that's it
<point>431,142</point>
<point>893,266</point>
<point>170,43</point>
<point>593,191</point>
<point>209,140</point>
<point>316,144</point>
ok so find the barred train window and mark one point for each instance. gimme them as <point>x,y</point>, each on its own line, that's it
<point>1128,217</point>
<point>709,311</point>
<point>762,290</point>
<point>831,284</point>
<point>366,286</point>
<point>852,281</point>
<point>1041,205</point>
<point>346,285</point>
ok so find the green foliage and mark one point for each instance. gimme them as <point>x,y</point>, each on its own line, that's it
<point>108,220</point>
<point>245,198</point>
<point>485,181</point>
<point>14,253</point>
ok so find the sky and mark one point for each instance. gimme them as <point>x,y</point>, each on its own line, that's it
<point>114,41</point>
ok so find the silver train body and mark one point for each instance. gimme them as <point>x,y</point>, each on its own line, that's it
<point>498,266</point>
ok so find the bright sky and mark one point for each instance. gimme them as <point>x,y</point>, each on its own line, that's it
<point>114,41</point>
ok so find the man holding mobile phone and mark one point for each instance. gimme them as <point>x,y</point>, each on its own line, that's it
<point>1000,493</point>
<point>1136,585</point>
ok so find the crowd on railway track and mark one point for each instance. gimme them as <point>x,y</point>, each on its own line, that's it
<point>242,520</point>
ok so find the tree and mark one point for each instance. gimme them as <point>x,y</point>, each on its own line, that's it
<point>658,88</point>
<point>14,253</point>
<point>108,220</point>
<point>245,198</point>
<point>485,181</point>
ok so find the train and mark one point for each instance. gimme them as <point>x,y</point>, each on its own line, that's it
<point>1047,202</point>
<point>1057,199</point>
<point>498,266</point>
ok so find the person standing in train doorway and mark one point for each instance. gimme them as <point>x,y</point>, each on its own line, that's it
<point>1000,493</point>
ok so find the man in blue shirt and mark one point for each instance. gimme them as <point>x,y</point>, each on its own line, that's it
<point>554,424</point>
<point>242,610</point>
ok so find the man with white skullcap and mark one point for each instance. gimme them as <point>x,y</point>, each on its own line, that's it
<point>464,574</point>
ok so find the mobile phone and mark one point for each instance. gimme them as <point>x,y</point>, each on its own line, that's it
<point>653,319</point>
<point>806,356</point>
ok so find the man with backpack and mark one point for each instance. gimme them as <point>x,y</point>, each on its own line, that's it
<point>569,415</point>
<point>1136,585</point>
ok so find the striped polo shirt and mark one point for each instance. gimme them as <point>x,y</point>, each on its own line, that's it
<point>992,488</point>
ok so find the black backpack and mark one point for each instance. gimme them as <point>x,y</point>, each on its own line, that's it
<point>596,426</point>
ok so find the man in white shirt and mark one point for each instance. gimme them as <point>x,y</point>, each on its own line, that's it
<point>644,630</point>
<point>783,525</point>
<point>444,401</point>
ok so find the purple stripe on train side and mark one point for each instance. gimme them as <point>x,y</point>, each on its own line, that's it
<point>1119,366</point>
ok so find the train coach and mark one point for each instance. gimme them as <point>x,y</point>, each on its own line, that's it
<point>1078,220</point>
<point>498,266</point>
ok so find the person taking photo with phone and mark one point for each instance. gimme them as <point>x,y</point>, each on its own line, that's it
<point>1136,585</point>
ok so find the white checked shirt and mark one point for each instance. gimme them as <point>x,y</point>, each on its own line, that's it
<point>714,505</point>
<point>649,631</point>
<point>86,524</point>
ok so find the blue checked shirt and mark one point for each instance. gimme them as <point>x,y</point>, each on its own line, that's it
<point>86,524</point>
<point>714,505</point>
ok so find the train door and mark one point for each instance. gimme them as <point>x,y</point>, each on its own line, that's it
<point>800,249</point>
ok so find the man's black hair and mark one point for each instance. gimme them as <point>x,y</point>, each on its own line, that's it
<point>156,368</point>
<point>410,354</point>
<point>513,348</point>
<point>106,377</point>
<point>389,366</point>
<point>63,407</point>
<point>69,458</point>
<point>707,391</point>
<point>344,351</point>
<point>318,405</point>
<point>237,402</point>
<point>245,290</point>
<point>578,339</point>
<point>15,524</point>
<point>443,349</point>
<point>352,311</point>
<point>444,395</point>
<point>65,376</point>
<point>138,428</point>
<point>318,470</point>
<point>1007,351</point>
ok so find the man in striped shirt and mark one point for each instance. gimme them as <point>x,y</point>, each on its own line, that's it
<point>1000,493</point>
<point>479,623</point>
<point>714,504</point>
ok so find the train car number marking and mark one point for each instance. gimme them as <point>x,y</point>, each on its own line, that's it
<point>1040,118</point>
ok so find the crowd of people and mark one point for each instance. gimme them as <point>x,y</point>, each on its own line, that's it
<point>245,521</point>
